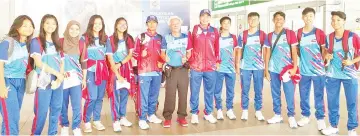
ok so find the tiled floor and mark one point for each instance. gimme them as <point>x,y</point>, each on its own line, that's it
<point>237,127</point>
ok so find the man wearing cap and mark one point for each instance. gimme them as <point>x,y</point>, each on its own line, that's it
<point>204,61</point>
<point>148,49</point>
<point>176,71</point>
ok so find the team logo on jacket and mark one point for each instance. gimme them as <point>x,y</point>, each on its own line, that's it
<point>158,42</point>
<point>212,36</point>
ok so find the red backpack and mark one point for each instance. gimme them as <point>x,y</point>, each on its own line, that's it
<point>345,45</point>
<point>287,31</point>
<point>317,35</point>
<point>244,39</point>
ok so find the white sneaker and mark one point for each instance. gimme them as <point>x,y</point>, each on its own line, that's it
<point>210,118</point>
<point>77,132</point>
<point>125,122</point>
<point>143,125</point>
<point>245,115</point>
<point>220,115</point>
<point>352,132</point>
<point>321,124</point>
<point>303,121</point>
<point>64,131</point>
<point>98,125</point>
<point>275,119</point>
<point>292,122</point>
<point>330,131</point>
<point>154,119</point>
<point>259,116</point>
<point>230,114</point>
<point>194,119</point>
<point>88,128</point>
<point>116,126</point>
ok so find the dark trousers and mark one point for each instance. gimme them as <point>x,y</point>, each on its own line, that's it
<point>178,81</point>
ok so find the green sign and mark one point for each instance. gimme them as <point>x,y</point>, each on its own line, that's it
<point>226,4</point>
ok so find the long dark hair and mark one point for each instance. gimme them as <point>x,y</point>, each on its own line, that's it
<point>54,35</point>
<point>125,34</point>
<point>89,31</point>
<point>18,22</point>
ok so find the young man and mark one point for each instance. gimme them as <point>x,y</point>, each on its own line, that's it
<point>281,55</point>
<point>343,62</point>
<point>203,62</point>
<point>310,49</point>
<point>227,44</point>
<point>250,54</point>
<point>178,74</point>
<point>147,53</point>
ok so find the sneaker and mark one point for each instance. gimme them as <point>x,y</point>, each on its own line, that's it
<point>116,126</point>
<point>98,125</point>
<point>220,115</point>
<point>65,131</point>
<point>352,132</point>
<point>244,115</point>
<point>163,85</point>
<point>154,119</point>
<point>330,131</point>
<point>292,123</point>
<point>124,122</point>
<point>88,128</point>
<point>303,121</point>
<point>275,119</point>
<point>210,118</point>
<point>230,114</point>
<point>167,123</point>
<point>259,116</point>
<point>194,119</point>
<point>77,132</point>
<point>143,125</point>
<point>182,122</point>
<point>321,124</point>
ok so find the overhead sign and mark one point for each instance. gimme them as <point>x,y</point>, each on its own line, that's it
<point>226,4</point>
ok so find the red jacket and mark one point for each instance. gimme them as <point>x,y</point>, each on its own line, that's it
<point>205,49</point>
<point>295,78</point>
<point>152,44</point>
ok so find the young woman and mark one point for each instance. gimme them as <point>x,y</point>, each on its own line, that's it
<point>45,52</point>
<point>75,76</point>
<point>119,52</point>
<point>342,69</point>
<point>13,61</point>
<point>227,43</point>
<point>95,41</point>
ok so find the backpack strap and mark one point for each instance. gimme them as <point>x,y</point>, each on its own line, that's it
<point>234,39</point>
<point>262,39</point>
<point>244,38</point>
<point>331,42</point>
<point>345,45</point>
<point>288,37</point>
<point>299,36</point>
<point>40,44</point>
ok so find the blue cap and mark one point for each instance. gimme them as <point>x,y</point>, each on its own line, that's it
<point>205,11</point>
<point>151,18</point>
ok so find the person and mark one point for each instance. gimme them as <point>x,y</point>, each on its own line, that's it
<point>342,62</point>
<point>311,47</point>
<point>148,48</point>
<point>252,45</point>
<point>95,40</point>
<point>13,61</point>
<point>46,54</point>
<point>119,56</point>
<point>280,56</point>
<point>227,44</point>
<point>75,77</point>
<point>204,61</point>
<point>178,80</point>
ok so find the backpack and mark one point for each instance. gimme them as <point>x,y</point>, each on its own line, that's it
<point>245,36</point>
<point>317,35</point>
<point>287,31</point>
<point>11,44</point>
<point>345,46</point>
